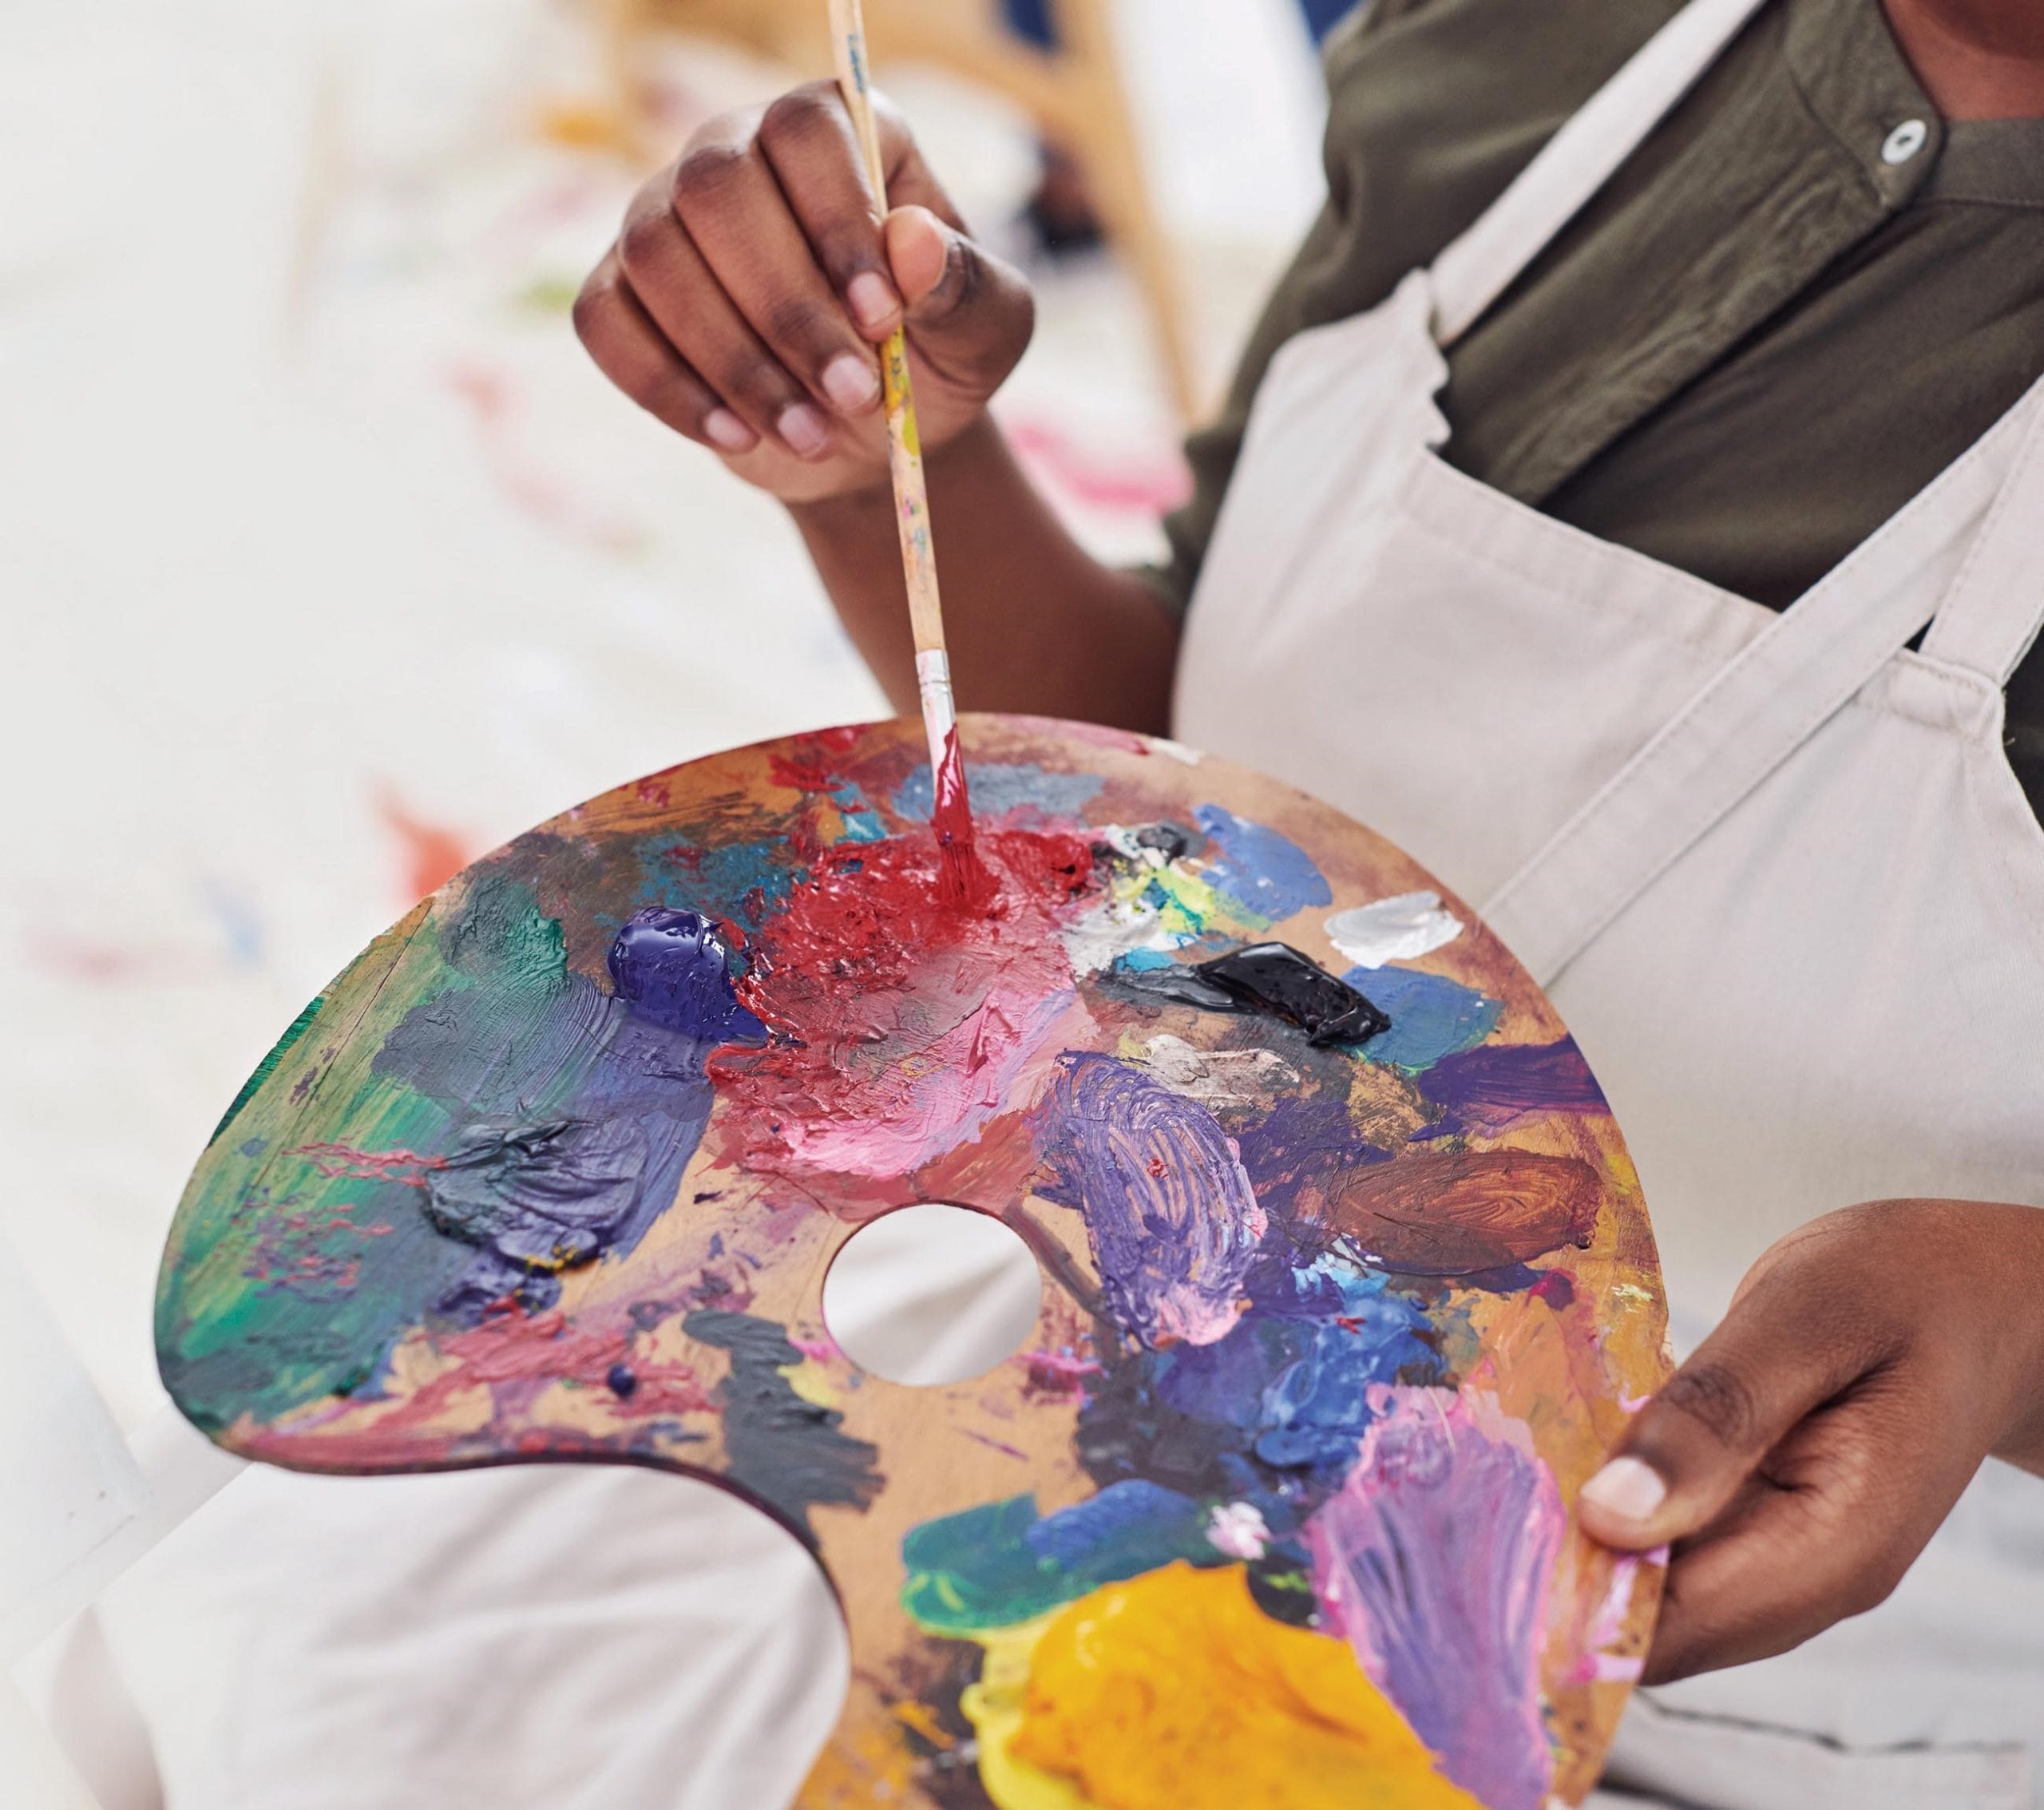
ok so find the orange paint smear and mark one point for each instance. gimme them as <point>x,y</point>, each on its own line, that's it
<point>433,856</point>
<point>1473,1210</point>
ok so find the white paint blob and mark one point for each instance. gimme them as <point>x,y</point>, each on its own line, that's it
<point>1239,1530</point>
<point>1398,929</point>
<point>1217,1077</point>
<point>1128,920</point>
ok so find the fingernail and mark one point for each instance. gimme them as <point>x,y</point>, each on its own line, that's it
<point>1628,1488</point>
<point>873,301</point>
<point>805,429</point>
<point>727,430</point>
<point>850,382</point>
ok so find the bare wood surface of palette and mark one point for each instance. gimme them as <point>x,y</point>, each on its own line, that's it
<point>1277,1505</point>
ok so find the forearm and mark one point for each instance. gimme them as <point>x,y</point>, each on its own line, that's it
<point>2017,1260</point>
<point>1036,624</point>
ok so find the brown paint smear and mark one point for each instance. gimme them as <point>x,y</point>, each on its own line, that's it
<point>1474,1210</point>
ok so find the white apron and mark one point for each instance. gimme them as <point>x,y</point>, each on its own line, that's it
<point>1774,869</point>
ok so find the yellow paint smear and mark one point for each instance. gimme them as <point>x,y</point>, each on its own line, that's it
<point>1175,1692</point>
<point>922,1719</point>
<point>868,1767</point>
<point>995,1707</point>
<point>811,1383</point>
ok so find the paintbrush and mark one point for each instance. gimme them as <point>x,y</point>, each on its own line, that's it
<point>951,815</point>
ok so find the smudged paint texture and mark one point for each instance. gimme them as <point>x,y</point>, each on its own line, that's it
<point>1275,1506</point>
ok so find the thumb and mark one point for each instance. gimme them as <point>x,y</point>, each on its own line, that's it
<point>1698,1442</point>
<point>970,314</point>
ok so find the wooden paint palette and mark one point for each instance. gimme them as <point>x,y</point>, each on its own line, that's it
<point>1276,1507</point>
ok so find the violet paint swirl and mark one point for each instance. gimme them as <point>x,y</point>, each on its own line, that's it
<point>1173,1221</point>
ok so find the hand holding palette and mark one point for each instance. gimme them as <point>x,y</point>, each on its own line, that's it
<point>1347,1279</point>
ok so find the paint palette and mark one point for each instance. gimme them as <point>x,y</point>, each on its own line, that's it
<point>1348,1282</point>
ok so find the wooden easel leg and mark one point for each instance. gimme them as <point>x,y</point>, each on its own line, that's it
<point>1101,133</point>
<point>622,25</point>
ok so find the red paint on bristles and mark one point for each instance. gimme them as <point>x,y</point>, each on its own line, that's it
<point>966,882</point>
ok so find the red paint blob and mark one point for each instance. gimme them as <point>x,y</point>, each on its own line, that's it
<point>871,964</point>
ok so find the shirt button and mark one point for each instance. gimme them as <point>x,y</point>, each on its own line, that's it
<point>1905,141</point>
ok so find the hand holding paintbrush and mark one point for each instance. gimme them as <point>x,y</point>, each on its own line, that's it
<point>745,303</point>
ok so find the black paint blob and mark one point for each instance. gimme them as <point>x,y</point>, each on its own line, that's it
<point>1269,977</point>
<point>534,1200</point>
<point>1172,986</point>
<point>1275,977</point>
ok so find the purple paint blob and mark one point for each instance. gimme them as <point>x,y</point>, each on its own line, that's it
<point>673,968</point>
<point>1174,1221</point>
<point>1433,1562</point>
<point>1492,1088</point>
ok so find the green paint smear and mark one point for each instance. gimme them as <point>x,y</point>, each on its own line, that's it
<point>259,1316</point>
<point>552,293</point>
<point>267,1067</point>
<point>981,1569</point>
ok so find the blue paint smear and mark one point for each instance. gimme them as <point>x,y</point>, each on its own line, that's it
<point>1134,1429</point>
<point>1431,1016</point>
<point>716,879</point>
<point>999,787</point>
<point>1265,873</point>
<point>241,924</point>
<point>1225,1385</point>
<point>864,827</point>
<point>1314,1416</point>
<point>1331,1287</point>
<point>1127,1529</point>
<point>1274,1414</point>
<point>862,822</point>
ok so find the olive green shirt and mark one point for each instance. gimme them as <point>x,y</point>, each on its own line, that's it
<point>1759,342</point>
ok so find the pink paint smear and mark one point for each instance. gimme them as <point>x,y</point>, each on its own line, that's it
<point>1148,485</point>
<point>1434,1561</point>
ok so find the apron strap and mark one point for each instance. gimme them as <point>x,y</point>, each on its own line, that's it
<point>1578,162</point>
<point>1991,615</point>
<point>1789,680</point>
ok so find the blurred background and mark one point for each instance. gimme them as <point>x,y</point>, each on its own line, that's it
<point>328,564</point>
